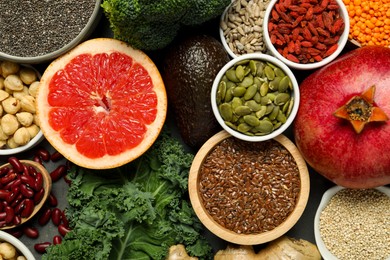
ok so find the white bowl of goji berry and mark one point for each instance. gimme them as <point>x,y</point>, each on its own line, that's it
<point>305,35</point>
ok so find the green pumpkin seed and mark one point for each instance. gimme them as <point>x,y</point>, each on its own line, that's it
<point>264,89</point>
<point>230,84</point>
<point>236,102</point>
<point>250,92</point>
<point>242,62</point>
<point>279,72</point>
<point>231,75</point>
<point>265,100</point>
<point>240,72</point>
<point>269,72</point>
<point>253,105</point>
<point>247,71</point>
<point>283,84</point>
<point>238,91</point>
<point>274,113</point>
<point>260,68</point>
<point>281,117</point>
<point>269,107</point>
<point>285,106</point>
<point>264,126</point>
<point>228,95</point>
<point>231,125</point>
<point>257,97</point>
<point>247,81</point>
<point>221,92</point>
<point>261,112</point>
<point>274,84</point>
<point>243,127</point>
<point>251,120</point>
<point>271,96</point>
<point>277,125</point>
<point>235,118</point>
<point>226,111</point>
<point>281,98</point>
<point>253,67</point>
<point>290,107</point>
<point>242,110</point>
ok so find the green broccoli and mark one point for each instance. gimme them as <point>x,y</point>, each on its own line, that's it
<point>153,24</point>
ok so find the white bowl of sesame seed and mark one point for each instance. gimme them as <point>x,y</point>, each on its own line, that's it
<point>353,223</point>
<point>36,32</point>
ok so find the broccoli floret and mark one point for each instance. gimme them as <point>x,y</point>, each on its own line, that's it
<point>153,24</point>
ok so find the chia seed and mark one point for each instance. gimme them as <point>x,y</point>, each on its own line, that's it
<point>30,28</point>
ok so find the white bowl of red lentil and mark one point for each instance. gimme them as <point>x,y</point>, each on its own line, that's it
<point>46,30</point>
<point>306,36</point>
<point>255,97</point>
<point>248,193</point>
<point>352,223</point>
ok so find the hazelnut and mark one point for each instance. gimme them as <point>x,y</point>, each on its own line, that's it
<point>13,82</point>
<point>20,94</point>
<point>11,105</point>
<point>27,104</point>
<point>22,136</point>
<point>3,95</point>
<point>9,123</point>
<point>33,88</point>
<point>11,143</point>
<point>25,118</point>
<point>9,67</point>
<point>27,75</point>
<point>33,130</point>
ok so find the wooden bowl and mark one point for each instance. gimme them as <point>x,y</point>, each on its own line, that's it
<point>247,238</point>
<point>47,185</point>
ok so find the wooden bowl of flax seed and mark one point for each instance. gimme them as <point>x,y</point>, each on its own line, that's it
<point>248,193</point>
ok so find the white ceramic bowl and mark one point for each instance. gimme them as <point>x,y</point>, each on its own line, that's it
<point>307,66</point>
<point>325,253</point>
<point>295,94</point>
<point>22,248</point>
<point>84,33</point>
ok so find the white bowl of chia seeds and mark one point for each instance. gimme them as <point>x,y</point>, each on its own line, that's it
<point>39,31</point>
<point>241,29</point>
<point>353,223</point>
<point>255,97</point>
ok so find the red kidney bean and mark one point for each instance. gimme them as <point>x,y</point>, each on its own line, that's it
<point>25,170</point>
<point>30,181</point>
<point>20,207</point>
<point>16,232</point>
<point>26,191</point>
<point>15,183</point>
<point>32,171</point>
<point>8,178</point>
<point>56,156</point>
<point>58,173</point>
<point>38,196</point>
<point>4,194</point>
<point>67,180</point>
<point>10,214</point>
<point>16,164</point>
<point>4,171</point>
<point>2,215</point>
<point>63,230</point>
<point>43,154</point>
<point>65,220</point>
<point>13,195</point>
<point>45,217</point>
<point>3,223</point>
<point>38,182</point>
<point>41,247</point>
<point>37,159</point>
<point>30,231</point>
<point>52,200</point>
<point>56,216</point>
<point>28,209</point>
<point>57,240</point>
<point>17,220</point>
<point>17,200</point>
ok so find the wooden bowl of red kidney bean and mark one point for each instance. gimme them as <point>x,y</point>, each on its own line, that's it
<point>306,34</point>
<point>24,187</point>
<point>248,193</point>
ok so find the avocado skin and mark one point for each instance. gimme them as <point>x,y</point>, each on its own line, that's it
<point>188,70</point>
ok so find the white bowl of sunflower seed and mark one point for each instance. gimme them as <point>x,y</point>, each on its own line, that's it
<point>255,97</point>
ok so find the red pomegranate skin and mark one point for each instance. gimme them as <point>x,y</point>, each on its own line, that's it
<point>329,144</point>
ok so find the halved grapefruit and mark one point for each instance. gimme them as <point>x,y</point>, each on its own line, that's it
<point>102,104</point>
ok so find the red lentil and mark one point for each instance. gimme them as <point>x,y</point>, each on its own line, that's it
<point>249,187</point>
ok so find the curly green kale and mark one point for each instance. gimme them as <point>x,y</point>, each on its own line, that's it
<point>133,212</point>
<point>153,24</point>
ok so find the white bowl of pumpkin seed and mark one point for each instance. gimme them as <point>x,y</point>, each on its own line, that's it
<point>255,97</point>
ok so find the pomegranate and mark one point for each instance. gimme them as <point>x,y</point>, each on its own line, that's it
<point>342,127</point>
